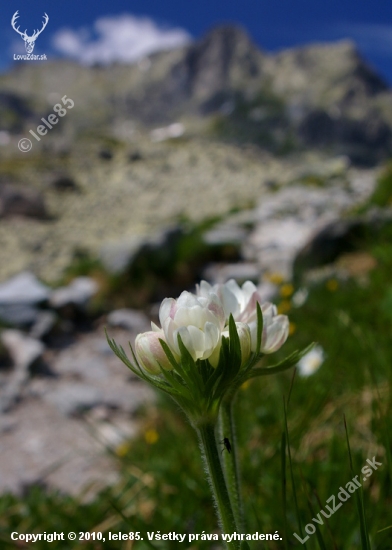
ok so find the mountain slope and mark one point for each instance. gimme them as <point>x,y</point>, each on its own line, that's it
<point>322,96</point>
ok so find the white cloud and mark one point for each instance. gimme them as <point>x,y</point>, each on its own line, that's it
<point>124,38</point>
<point>371,38</point>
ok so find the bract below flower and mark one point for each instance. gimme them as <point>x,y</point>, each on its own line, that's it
<point>244,336</point>
<point>275,330</point>
<point>199,322</point>
<point>150,353</point>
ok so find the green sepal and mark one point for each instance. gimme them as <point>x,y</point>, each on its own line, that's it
<point>234,345</point>
<point>169,354</point>
<point>217,372</point>
<point>188,370</point>
<point>260,326</point>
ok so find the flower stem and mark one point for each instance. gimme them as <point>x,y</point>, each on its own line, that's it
<point>211,457</point>
<point>230,461</point>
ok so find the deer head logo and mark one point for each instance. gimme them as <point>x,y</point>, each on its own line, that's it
<point>29,40</point>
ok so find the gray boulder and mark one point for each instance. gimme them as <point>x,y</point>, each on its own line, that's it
<point>116,256</point>
<point>24,353</point>
<point>77,293</point>
<point>24,288</point>
<point>23,350</point>
<point>338,237</point>
<point>19,298</point>
<point>18,315</point>
<point>71,398</point>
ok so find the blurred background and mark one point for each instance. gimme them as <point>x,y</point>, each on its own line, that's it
<point>143,148</point>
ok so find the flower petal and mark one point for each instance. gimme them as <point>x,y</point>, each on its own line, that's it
<point>275,334</point>
<point>167,309</point>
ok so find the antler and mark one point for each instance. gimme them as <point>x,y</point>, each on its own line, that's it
<point>36,33</point>
<point>13,22</point>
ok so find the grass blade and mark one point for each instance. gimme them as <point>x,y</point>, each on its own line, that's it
<point>365,542</point>
<point>284,490</point>
<point>291,472</point>
<point>319,536</point>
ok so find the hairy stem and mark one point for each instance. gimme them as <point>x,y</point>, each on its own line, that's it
<point>231,463</point>
<point>212,461</point>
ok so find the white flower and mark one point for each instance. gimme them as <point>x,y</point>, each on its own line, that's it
<point>241,303</point>
<point>150,353</point>
<point>198,320</point>
<point>299,298</point>
<point>311,362</point>
<point>237,301</point>
<point>275,329</point>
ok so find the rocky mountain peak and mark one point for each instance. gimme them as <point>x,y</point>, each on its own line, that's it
<point>329,73</point>
<point>225,58</point>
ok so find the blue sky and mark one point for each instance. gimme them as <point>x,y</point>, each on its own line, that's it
<point>98,31</point>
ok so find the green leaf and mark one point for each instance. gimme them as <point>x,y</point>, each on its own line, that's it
<point>385,529</point>
<point>178,388</point>
<point>359,501</point>
<point>286,364</point>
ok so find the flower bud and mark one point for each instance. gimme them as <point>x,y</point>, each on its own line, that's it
<point>150,353</point>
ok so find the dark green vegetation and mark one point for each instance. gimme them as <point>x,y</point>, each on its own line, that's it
<point>382,195</point>
<point>159,269</point>
<point>262,120</point>
<point>163,486</point>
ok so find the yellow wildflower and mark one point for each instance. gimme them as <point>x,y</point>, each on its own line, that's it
<point>292,328</point>
<point>286,290</point>
<point>332,285</point>
<point>151,436</point>
<point>284,306</point>
<point>275,278</point>
<point>122,449</point>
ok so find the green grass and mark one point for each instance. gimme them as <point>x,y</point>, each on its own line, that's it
<point>382,195</point>
<point>163,485</point>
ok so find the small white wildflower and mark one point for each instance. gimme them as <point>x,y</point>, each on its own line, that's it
<point>299,298</point>
<point>311,362</point>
